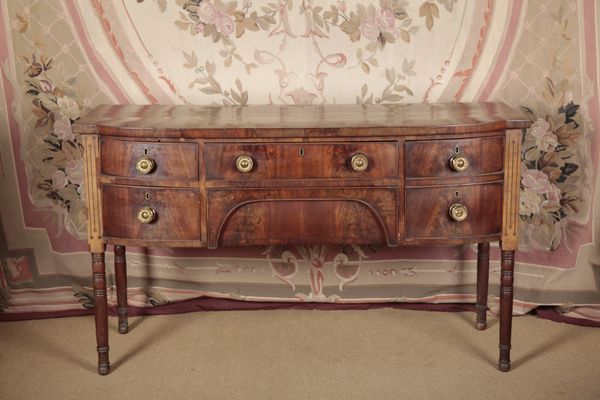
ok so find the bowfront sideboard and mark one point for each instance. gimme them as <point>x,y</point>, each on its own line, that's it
<point>394,175</point>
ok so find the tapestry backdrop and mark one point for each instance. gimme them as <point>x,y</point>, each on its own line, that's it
<point>60,58</point>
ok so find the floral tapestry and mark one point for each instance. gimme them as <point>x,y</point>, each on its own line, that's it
<point>60,58</point>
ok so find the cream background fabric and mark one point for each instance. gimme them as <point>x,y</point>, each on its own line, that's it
<point>60,58</point>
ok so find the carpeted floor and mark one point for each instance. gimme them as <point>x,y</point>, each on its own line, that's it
<point>375,354</point>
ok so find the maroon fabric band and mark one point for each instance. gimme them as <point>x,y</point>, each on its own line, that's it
<point>215,304</point>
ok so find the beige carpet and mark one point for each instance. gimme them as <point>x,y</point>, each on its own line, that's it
<point>376,354</point>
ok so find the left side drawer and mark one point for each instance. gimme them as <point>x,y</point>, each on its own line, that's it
<point>134,212</point>
<point>149,160</point>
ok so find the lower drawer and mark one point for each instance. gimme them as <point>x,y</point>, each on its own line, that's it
<point>453,212</point>
<point>133,212</point>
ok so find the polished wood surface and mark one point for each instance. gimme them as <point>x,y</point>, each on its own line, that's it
<point>100,311</point>
<point>302,216</point>
<point>172,160</point>
<point>195,176</point>
<point>285,121</point>
<point>177,213</point>
<point>427,211</point>
<point>507,265</point>
<point>121,284</point>
<point>301,160</point>
<point>431,158</point>
<point>483,275</point>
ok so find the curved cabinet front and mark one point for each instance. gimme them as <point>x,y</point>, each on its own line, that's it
<point>170,160</point>
<point>433,158</point>
<point>302,216</point>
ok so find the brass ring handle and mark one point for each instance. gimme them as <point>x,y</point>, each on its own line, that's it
<point>458,212</point>
<point>146,215</point>
<point>359,162</point>
<point>145,165</point>
<point>459,163</point>
<point>244,163</point>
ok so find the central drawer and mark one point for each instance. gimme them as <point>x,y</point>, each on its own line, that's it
<point>301,160</point>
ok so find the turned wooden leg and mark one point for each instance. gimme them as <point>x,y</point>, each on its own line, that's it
<point>483,273</point>
<point>121,283</point>
<point>99,280</point>
<point>506,307</point>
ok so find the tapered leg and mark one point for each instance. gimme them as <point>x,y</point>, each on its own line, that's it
<point>121,282</point>
<point>99,280</point>
<point>506,307</point>
<point>483,273</point>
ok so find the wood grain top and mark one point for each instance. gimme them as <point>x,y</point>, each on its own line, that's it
<point>182,121</point>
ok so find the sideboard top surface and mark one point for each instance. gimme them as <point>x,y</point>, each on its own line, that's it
<point>264,121</point>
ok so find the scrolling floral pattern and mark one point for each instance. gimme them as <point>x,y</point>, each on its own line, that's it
<point>368,26</point>
<point>552,179</point>
<point>56,155</point>
<point>555,176</point>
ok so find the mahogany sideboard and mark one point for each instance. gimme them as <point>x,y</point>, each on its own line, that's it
<point>396,175</point>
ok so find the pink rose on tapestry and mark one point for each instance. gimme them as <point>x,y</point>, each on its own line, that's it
<point>536,180</point>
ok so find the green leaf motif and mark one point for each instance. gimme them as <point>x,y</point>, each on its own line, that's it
<point>570,110</point>
<point>569,168</point>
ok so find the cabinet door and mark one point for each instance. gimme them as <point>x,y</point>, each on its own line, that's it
<point>302,216</point>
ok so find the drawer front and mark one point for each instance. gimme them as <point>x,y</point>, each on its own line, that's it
<point>302,160</point>
<point>302,216</point>
<point>176,213</point>
<point>170,160</point>
<point>428,211</point>
<point>426,159</point>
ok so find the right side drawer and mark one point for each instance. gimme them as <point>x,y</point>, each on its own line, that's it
<point>433,158</point>
<point>429,211</point>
